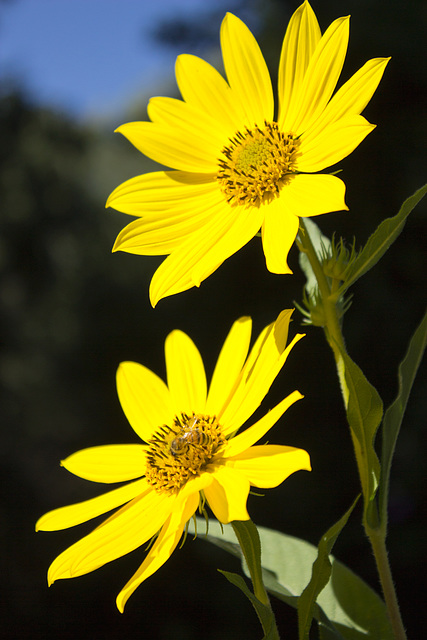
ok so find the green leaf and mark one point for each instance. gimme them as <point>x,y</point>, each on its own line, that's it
<point>327,631</point>
<point>321,573</point>
<point>364,413</point>
<point>347,608</point>
<point>248,537</point>
<point>381,240</point>
<point>394,414</point>
<point>321,245</point>
<point>264,613</point>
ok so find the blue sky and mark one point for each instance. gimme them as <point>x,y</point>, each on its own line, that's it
<point>87,57</point>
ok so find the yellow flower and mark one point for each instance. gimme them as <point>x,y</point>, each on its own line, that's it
<point>239,167</point>
<point>191,454</point>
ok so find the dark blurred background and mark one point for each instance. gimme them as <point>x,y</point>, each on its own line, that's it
<point>71,311</point>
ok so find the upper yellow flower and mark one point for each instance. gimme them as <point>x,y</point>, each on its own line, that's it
<point>239,166</point>
<point>191,455</point>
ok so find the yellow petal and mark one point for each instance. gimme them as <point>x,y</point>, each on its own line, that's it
<point>163,232</point>
<point>299,43</point>
<point>320,78</point>
<point>144,397</point>
<point>227,494</point>
<point>333,144</point>
<point>190,121</point>
<point>266,359</point>
<point>204,87</point>
<point>312,195</point>
<point>240,230</point>
<point>352,97</point>
<point>247,438</point>
<point>268,466</point>
<point>110,463</point>
<point>74,514</point>
<point>154,192</point>
<point>279,231</point>
<point>182,269</point>
<point>196,484</point>
<point>186,374</point>
<point>163,547</point>
<point>157,237</point>
<point>230,361</point>
<point>172,276</point>
<point>124,531</point>
<point>175,148</point>
<point>246,70</point>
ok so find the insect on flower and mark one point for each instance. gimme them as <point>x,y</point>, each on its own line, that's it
<point>191,435</point>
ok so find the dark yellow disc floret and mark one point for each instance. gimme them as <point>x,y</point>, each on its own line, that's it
<point>258,162</point>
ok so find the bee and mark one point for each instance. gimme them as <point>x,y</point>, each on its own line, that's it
<point>190,436</point>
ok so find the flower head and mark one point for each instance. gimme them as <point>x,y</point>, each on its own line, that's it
<point>191,454</point>
<point>239,166</point>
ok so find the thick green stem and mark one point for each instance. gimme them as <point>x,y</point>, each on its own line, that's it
<point>334,336</point>
<point>377,539</point>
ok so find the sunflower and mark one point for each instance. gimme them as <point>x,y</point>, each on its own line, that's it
<point>191,456</point>
<point>238,167</point>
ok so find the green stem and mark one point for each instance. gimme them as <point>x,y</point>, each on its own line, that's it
<point>334,336</point>
<point>377,539</point>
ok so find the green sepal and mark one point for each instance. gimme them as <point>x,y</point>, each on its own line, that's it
<point>264,613</point>
<point>364,414</point>
<point>394,414</point>
<point>320,576</point>
<point>322,246</point>
<point>333,258</point>
<point>347,607</point>
<point>380,241</point>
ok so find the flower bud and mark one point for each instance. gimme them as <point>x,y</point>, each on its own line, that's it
<point>335,265</point>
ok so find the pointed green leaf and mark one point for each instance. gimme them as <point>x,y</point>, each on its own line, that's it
<point>264,613</point>
<point>321,573</point>
<point>381,240</point>
<point>394,414</point>
<point>347,606</point>
<point>364,413</point>
<point>248,537</point>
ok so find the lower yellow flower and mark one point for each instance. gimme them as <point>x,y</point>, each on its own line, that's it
<point>191,454</point>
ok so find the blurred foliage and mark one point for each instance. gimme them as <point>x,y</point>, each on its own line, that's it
<point>199,31</point>
<point>71,311</point>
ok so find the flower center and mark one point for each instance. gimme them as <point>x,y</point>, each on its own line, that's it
<point>182,451</point>
<point>258,163</point>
